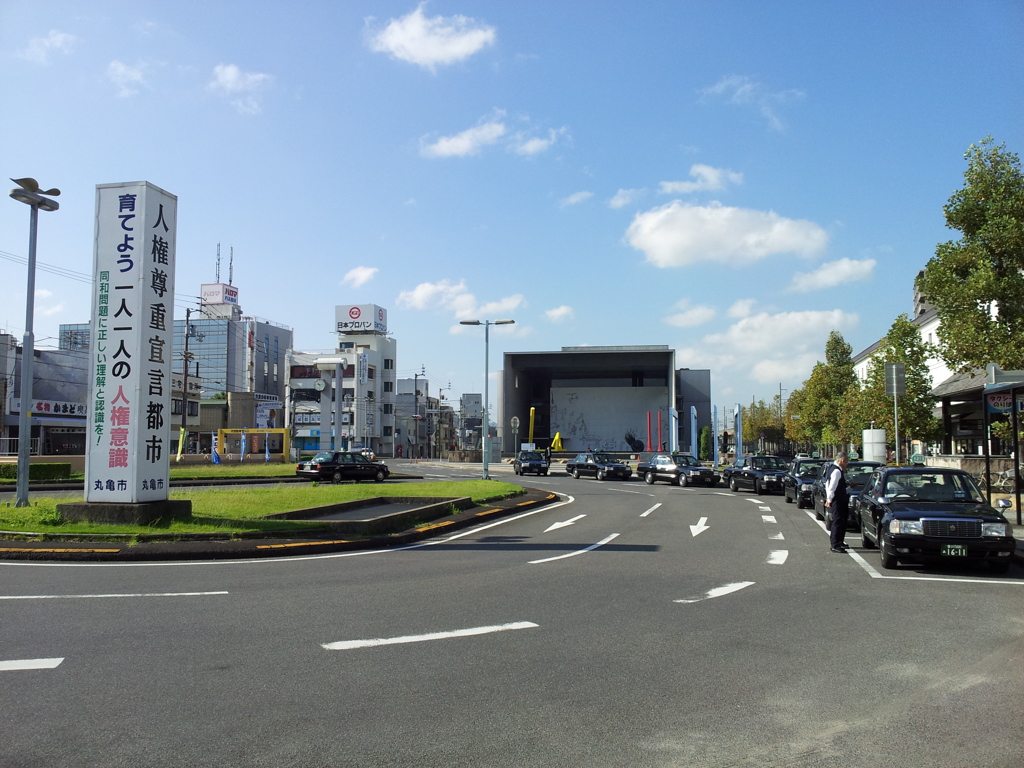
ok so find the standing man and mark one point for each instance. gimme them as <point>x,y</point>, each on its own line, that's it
<point>837,501</point>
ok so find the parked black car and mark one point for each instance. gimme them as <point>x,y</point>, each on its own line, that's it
<point>530,461</point>
<point>920,514</point>
<point>858,473</point>
<point>762,474</point>
<point>677,468</point>
<point>338,466</point>
<point>799,481</point>
<point>599,465</point>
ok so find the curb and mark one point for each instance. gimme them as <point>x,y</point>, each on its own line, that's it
<point>324,542</point>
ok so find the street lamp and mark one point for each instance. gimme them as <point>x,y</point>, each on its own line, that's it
<point>28,192</point>
<point>487,374</point>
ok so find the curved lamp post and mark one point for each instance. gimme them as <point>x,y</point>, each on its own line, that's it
<point>487,375</point>
<point>28,192</point>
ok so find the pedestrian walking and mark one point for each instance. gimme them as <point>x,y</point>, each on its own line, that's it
<point>837,502</point>
<point>547,454</point>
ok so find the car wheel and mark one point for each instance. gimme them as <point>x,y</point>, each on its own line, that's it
<point>864,540</point>
<point>758,488</point>
<point>601,475</point>
<point>545,473</point>
<point>818,515</point>
<point>888,559</point>
<point>649,478</point>
<point>682,480</point>
<point>799,501</point>
<point>733,486</point>
<point>786,495</point>
<point>336,477</point>
<point>576,474</point>
<point>379,477</point>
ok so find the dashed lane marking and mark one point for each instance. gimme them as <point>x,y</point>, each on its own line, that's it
<point>645,514</point>
<point>777,556</point>
<point>20,664</point>
<point>727,589</point>
<point>348,645</point>
<point>768,519</point>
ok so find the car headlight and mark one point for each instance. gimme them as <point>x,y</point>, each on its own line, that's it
<point>995,529</point>
<point>906,526</point>
<point>807,487</point>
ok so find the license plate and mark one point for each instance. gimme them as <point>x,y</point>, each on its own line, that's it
<point>954,550</point>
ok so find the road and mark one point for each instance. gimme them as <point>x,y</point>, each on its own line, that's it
<point>631,625</point>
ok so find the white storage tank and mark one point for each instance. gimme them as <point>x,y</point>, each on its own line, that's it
<point>874,446</point>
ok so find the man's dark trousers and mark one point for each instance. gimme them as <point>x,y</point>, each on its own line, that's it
<point>839,510</point>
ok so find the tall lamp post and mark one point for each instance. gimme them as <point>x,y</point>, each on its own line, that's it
<point>487,375</point>
<point>28,192</point>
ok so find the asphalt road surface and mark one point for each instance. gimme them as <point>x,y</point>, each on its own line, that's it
<point>631,625</point>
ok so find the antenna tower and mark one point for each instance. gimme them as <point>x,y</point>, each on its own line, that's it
<point>218,264</point>
<point>231,267</point>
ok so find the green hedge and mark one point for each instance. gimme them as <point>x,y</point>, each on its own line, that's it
<point>55,471</point>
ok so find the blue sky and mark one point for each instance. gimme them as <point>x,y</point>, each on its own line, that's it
<point>732,179</point>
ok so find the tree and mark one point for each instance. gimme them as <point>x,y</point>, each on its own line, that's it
<point>761,419</point>
<point>902,344</point>
<point>794,423</point>
<point>977,282</point>
<point>828,413</point>
<point>704,444</point>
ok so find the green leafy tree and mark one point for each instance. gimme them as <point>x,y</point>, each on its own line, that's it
<point>704,444</point>
<point>794,423</point>
<point>829,407</point>
<point>902,344</point>
<point>761,418</point>
<point>977,282</point>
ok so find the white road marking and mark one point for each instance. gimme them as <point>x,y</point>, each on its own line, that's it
<point>638,493</point>
<point>719,591</point>
<point>700,527</point>
<point>765,509</point>
<point>347,645</point>
<point>755,501</point>
<point>730,495</point>
<point>777,556</point>
<point>139,594</point>
<point>777,537</point>
<point>10,666</point>
<point>645,514</point>
<point>768,518</point>
<point>577,552</point>
<point>556,526</point>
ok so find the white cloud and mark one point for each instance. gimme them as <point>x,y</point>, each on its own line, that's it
<point>245,87</point>
<point>679,234</point>
<point>457,299</point>
<point>743,91</point>
<point>690,316</point>
<point>624,197</point>
<point>359,276</point>
<point>742,308</point>
<point>429,42</point>
<point>769,348</point>
<point>126,78</point>
<point>707,179</point>
<point>48,311</point>
<point>560,314</point>
<point>39,48</point>
<point>832,274</point>
<point>469,142</point>
<point>575,199</point>
<point>42,293</point>
<point>536,145</point>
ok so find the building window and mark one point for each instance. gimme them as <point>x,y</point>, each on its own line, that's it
<point>193,408</point>
<point>386,431</point>
<point>389,386</point>
<point>389,408</point>
<point>389,364</point>
<point>175,407</point>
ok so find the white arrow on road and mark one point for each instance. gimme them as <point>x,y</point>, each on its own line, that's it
<point>700,527</point>
<point>567,522</point>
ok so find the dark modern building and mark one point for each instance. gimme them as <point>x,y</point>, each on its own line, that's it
<point>626,399</point>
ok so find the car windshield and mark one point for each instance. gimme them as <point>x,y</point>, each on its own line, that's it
<point>685,460</point>
<point>530,456</point>
<point>323,456</point>
<point>767,462</point>
<point>932,486</point>
<point>604,458</point>
<point>809,467</point>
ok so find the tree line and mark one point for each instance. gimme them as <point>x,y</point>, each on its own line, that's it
<point>976,284</point>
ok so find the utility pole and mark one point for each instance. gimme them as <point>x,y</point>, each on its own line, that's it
<point>186,357</point>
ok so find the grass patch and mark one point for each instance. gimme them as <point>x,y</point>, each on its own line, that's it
<point>237,510</point>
